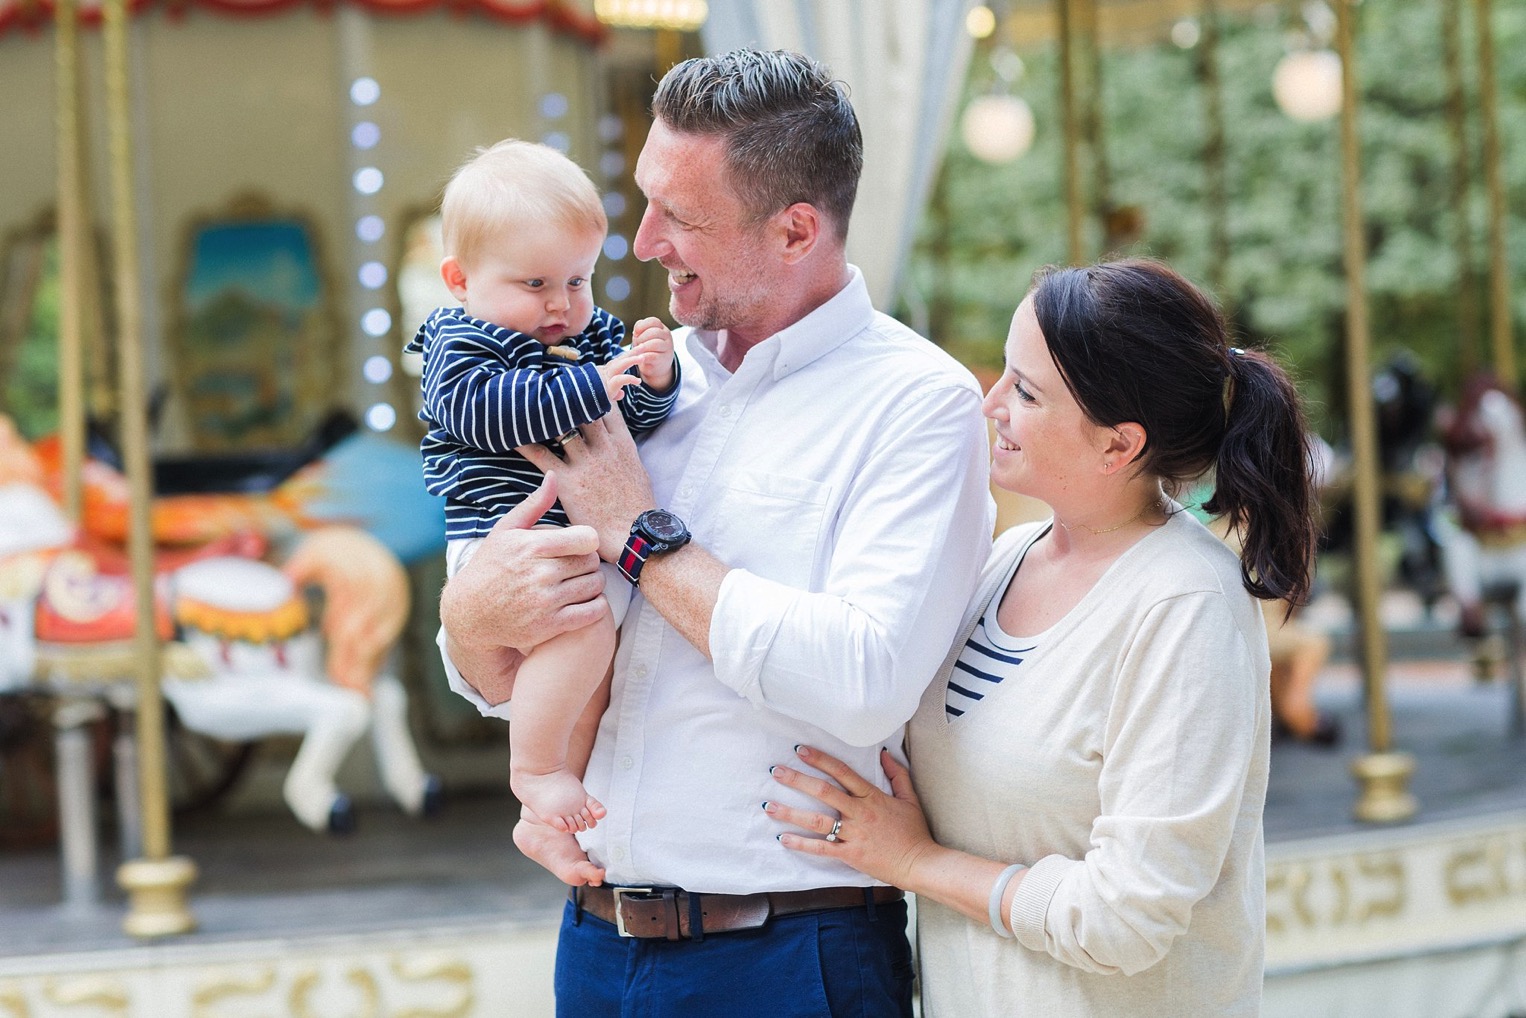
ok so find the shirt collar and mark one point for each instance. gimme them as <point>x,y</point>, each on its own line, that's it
<point>842,317</point>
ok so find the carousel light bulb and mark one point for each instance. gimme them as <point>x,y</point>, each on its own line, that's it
<point>997,128</point>
<point>1307,84</point>
<point>980,22</point>
<point>381,417</point>
<point>618,288</point>
<point>364,91</point>
<point>377,369</point>
<point>616,247</point>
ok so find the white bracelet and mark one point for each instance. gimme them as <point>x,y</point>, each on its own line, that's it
<point>993,907</point>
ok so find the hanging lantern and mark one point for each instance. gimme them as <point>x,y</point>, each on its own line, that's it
<point>1307,84</point>
<point>997,128</point>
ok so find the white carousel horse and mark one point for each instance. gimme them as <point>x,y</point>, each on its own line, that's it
<point>265,670</point>
<point>1483,541</point>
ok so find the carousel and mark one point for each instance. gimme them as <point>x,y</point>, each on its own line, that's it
<point>231,779</point>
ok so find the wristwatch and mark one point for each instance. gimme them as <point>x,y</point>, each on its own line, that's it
<point>654,532</point>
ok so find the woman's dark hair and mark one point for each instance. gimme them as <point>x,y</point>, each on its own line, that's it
<point>1136,342</point>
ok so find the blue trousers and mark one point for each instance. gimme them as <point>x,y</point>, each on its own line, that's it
<point>831,964</point>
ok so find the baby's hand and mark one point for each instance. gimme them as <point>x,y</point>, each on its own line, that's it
<point>653,346</point>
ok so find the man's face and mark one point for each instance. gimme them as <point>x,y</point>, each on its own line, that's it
<point>697,229</point>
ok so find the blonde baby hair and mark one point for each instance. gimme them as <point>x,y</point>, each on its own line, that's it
<point>516,185</point>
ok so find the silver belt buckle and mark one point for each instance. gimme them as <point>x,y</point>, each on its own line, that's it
<point>620,893</point>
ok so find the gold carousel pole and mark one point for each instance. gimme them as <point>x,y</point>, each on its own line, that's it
<point>1075,212</point>
<point>1499,261</point>
<point>73,231</point>
<point>1382,772</point>
<point>1213,153</point>
<point>1462,236</point>
<point>157,882</point>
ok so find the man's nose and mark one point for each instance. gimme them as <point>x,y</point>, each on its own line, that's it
<point>648,240</point>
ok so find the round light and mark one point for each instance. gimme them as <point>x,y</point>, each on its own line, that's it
<point>370,228</point>
<point>997,128</point>
<point>381,417</point>
<point>611,128</point>
<point>553,105</point>
<point>364,91</point>
<point>365,135</point>
<point>980,22</point>
<point>616,247</point>
<point>377,322</point>
<point>614,204</point>
<point>617,288</point>
<point>372,275</point>
<point>611,164</point>
<point>369,180</point>
<point>377,369</point>
<point>1186,33</point>
<point>1307,84</point>
<point>557,140</point>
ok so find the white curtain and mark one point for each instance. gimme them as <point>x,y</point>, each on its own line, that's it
<point>904,62</point>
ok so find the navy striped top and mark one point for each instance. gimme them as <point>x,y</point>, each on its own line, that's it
<point>989,656</point>
<point>488,389</point>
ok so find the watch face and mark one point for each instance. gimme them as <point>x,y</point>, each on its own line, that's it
<point>663,526</point>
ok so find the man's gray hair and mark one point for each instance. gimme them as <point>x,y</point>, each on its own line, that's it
<point>791,134</point>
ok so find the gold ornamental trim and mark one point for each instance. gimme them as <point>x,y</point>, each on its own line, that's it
<point>267,626</point>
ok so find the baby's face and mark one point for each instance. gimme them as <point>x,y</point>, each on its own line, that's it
<point>541,284</point>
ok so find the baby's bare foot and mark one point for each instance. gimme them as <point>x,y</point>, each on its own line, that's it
<point>558,799</point>
<point>560,853</point>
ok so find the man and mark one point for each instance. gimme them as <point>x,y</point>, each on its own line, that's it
<point>831,467</point>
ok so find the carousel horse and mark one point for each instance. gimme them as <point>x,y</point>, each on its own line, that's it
<point>1483,539</point>
<point>248,664</point>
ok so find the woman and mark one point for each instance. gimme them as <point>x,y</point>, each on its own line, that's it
<point>1092,758</point>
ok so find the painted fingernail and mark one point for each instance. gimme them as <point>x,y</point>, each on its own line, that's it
<point>779,838</point>
<point>771,769</point>
<point>802,751</point>
<point>766,804</point>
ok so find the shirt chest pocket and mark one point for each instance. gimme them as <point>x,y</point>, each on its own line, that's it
<point>771,524</point>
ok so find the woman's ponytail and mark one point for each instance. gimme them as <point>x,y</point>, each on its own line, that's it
<point>1264,483</point>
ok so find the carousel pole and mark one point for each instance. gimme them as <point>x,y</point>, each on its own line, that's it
<point>71,740</point>
<point>1462,236</point>
<point>156,883</point>
<point>1074,205</point>
<point>73,238</point>
<point>1382,773</point>
<point>1213,153</point>
<point>1499,261</point>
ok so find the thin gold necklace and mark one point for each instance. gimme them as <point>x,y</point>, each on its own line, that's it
<point>1152,504</point>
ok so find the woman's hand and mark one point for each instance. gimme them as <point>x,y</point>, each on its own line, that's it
<point>885,836</point>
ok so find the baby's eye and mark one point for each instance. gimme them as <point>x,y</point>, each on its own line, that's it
<point>535,284</point>
<point>577,282</point>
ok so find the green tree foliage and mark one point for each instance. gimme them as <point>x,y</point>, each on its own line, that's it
<point>990,227</point>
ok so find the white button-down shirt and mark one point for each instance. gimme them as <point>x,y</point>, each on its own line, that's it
<point>841,473</point>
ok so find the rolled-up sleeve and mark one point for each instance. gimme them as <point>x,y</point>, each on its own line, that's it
<point>907,544</point>
<point>1179,747</point>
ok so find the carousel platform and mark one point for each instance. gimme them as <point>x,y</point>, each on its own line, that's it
<point>1424,918</point>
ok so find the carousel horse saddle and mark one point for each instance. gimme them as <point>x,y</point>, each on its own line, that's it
<point>87,590</point>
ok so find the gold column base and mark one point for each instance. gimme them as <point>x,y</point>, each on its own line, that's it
<point>1385,797</point>
<point>156,896</point>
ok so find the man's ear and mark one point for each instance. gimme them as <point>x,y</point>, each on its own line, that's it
<point>800,225</point>
<point>454,276</point>
<point>1122,446</point>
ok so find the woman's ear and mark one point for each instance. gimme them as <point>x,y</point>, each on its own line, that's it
<point>1121,446</point>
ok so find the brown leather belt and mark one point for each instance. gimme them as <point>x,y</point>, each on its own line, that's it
<point>668,913</point>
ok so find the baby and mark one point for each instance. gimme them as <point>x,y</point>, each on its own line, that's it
<point>527,358</point>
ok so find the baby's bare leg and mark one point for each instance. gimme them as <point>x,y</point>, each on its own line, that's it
<point>551,694</point>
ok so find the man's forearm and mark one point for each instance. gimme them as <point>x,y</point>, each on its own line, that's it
<point>490,671</point>
<point>684,586</point>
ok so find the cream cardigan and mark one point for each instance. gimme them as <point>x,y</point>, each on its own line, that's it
<point>1125,761</point>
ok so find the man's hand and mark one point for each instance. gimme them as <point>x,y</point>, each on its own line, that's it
<point>602,482</point>
<point>521,588</point>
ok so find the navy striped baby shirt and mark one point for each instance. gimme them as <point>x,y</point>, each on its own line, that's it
<point>488,389</point>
